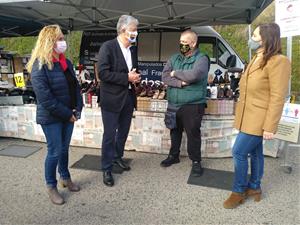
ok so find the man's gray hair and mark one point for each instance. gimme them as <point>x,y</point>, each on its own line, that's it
<point>124,21</point>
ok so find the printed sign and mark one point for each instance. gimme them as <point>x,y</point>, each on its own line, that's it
<point>151,71</point>
<point>287,16</point>
<point>90,45</point>
<point>288,127</point>
<point>19,79</point>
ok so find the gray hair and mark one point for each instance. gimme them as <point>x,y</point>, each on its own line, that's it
<point>124,21</point>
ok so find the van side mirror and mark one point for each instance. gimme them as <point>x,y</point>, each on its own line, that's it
<point>234,70</point>
<point>231,61</point>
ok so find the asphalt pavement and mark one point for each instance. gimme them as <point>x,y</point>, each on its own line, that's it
<point>148,194</point>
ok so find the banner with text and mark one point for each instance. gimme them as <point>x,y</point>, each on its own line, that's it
<point>90,45</point>
<point>151,71</point>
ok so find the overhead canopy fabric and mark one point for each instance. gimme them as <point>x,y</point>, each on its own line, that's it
<point>27,17</point>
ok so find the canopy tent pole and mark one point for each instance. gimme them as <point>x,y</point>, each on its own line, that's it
<point>249,36</point>
<point>287,166</point>
<point>289,47</point>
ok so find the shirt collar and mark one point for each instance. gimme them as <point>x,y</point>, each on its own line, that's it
<point>121,44</point>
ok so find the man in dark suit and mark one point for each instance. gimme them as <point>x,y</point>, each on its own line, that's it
<point>117,67</point>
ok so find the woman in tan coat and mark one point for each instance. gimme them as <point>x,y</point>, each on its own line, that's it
<point>263,88</point>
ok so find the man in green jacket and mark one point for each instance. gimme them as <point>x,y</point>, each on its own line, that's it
<point>185,74</point>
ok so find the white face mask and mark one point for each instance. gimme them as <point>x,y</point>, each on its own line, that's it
<point>132,36</point>
<point>61,47</point>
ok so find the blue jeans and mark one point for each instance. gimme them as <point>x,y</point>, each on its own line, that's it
<point>58,136</point>
<point>246,144</point>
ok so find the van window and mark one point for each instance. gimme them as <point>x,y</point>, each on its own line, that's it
<point>207,46</point>
<point>223,54</point>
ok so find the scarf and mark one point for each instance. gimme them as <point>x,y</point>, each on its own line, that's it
<point>62,61</point>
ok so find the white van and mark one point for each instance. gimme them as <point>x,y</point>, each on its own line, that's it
<point>155,48</point>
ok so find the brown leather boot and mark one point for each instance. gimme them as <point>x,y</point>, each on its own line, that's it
<point>234,200</point>
<point>69,184</point>
<point>54,196</point>
<point>156,94</point>
<point>255,193</point>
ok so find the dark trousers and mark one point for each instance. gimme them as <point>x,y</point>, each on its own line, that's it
<point>116,129</point>
<point>188,118</point>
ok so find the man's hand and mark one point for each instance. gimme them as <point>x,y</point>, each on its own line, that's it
<point>183,83</point>
<point>134,77</point>
<point>98,85</point>
<point>172,73</point>
<point>268,136</point>
<point>73,119</point>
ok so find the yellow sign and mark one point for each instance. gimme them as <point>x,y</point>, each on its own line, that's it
<point>19,79</point>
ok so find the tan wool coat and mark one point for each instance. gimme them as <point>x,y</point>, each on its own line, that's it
<point>262,95</point>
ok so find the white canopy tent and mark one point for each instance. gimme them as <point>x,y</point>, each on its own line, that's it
<point>22,18</point>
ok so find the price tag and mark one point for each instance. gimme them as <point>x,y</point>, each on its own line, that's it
<point>19,79</point>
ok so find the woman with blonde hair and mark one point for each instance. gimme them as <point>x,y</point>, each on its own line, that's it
<point>263,88</point>
<point>59,105</point>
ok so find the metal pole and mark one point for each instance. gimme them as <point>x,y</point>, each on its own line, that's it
<point>287,167</point>
<point>67,40</point>
<point>289,47</point>
<point>249,36</point>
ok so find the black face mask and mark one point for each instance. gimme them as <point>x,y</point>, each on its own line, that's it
<point>184,48</point>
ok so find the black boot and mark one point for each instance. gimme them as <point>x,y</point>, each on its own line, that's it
<point>169,161</point>
<point>108,179</point>
<point>122,164</point>
<point>197,169</point>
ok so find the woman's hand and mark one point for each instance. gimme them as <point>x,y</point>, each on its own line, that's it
<point>268,136</point>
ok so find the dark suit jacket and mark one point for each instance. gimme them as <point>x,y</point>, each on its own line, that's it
<point>113,73</point>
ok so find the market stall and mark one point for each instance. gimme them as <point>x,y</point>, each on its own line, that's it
<point>148,132</point>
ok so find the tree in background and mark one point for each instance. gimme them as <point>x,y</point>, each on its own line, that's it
<point>237,37</point>
<point>24,45</point>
